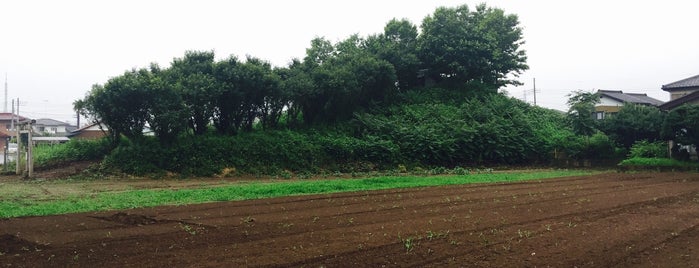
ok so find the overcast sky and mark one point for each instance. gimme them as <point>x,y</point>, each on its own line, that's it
<point>54,51</point>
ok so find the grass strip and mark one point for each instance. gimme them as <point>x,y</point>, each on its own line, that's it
<point>254,190</point>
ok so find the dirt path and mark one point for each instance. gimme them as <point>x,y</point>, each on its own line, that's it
<point>620,220</point>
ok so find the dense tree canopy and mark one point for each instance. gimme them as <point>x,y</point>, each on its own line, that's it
<point>331,84</point>
<point>682,125</point>
<point>461,46</point>
<point>634,123</point>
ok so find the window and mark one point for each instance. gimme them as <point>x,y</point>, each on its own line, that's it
<point>599,115</point>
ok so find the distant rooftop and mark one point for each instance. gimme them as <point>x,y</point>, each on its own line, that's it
<point>682,84</point>
<point>9,116</point>
<point>50,122</point>
<point>637,98</point>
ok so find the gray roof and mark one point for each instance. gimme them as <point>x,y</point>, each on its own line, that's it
<point>636,98</point>
<point>50,122</point>
<point>684,83</point>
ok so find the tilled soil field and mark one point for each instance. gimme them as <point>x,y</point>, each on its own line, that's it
<point>619,220</point>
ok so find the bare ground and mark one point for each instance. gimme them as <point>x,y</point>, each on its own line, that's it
<point>619,220</point>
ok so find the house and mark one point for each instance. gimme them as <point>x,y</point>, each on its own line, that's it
<point>98,130</point>
<point>611,101</point>
<point>685,91</point>
<point>50,127</point>
<point>6,125</point>
<point>91,131</point>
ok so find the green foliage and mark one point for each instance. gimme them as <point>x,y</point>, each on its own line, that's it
<point>486,130</point>
<point>682,125</point>
<point>634,123</point>
<point>659,162</point>
<point>580,113</point>
<point>149,198</point>
<point>459,46</point>
<point>74,150</point>
<point>647,149</point>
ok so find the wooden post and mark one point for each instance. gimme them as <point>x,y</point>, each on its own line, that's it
<point>30,146</point>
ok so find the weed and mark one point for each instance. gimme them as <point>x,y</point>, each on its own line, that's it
<point>188,229</point>
<point>524,234</point>
<point>408,243</point>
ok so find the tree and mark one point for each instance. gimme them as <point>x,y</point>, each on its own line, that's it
<point>260,91</point>
<point>398,46</point>
<point>346,78</point>
<point>459,46</point>
<point>580,112</point>
<point>192,77</point>
<point>228,114</point>
<point>167,114</point>
<point>682,125</point>
<point>634,123</point>
<point>295,84</point>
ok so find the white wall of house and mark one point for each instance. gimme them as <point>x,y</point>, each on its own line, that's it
<point>49,129</point>
<point>680,93</point>
<point>606,101</point>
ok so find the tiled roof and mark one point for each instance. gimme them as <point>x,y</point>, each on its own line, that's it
<point>684,83</point>
<point>637,98</point>
<point>8,117</point>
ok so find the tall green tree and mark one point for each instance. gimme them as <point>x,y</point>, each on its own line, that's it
<point>459,46</point>
<point>346,79</point>
<point>192,77</point>
<point>121,104</point>
<point>398,45</point>
<point>228,114</point>
<point>295,83</point>
<point>167,114</point>
<point>581,110</point>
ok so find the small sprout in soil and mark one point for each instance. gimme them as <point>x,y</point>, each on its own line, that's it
<point>548,227</point>
<point>524,234</point>
<point>188,229</point>
<point>316,218</point>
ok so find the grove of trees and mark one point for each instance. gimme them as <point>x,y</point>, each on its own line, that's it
<point>422,95</point>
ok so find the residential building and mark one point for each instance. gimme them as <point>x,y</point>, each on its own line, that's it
<point>91,131</point>
<point>50,127</point>
<point>685,91</point>
<point>611,101</point>
<point>6,122</point>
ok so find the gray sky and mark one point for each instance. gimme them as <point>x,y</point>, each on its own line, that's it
<point>54,51</point>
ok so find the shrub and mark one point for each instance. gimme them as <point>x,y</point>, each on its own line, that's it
<point>74,150</point>
<point>648,149</point>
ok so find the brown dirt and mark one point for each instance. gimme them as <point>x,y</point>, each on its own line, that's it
<point>609,220</point>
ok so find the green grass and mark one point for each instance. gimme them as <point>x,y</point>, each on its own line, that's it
<point>658,162</point>
<point>255,190</point>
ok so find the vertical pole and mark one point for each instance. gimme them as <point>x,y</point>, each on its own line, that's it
<point>30,157</point>
<point>18,160</point>
<point>534,91</point>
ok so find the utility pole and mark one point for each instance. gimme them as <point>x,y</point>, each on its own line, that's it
<point>534,91</point>
<point>4,108</point>
<point>18,139</point>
